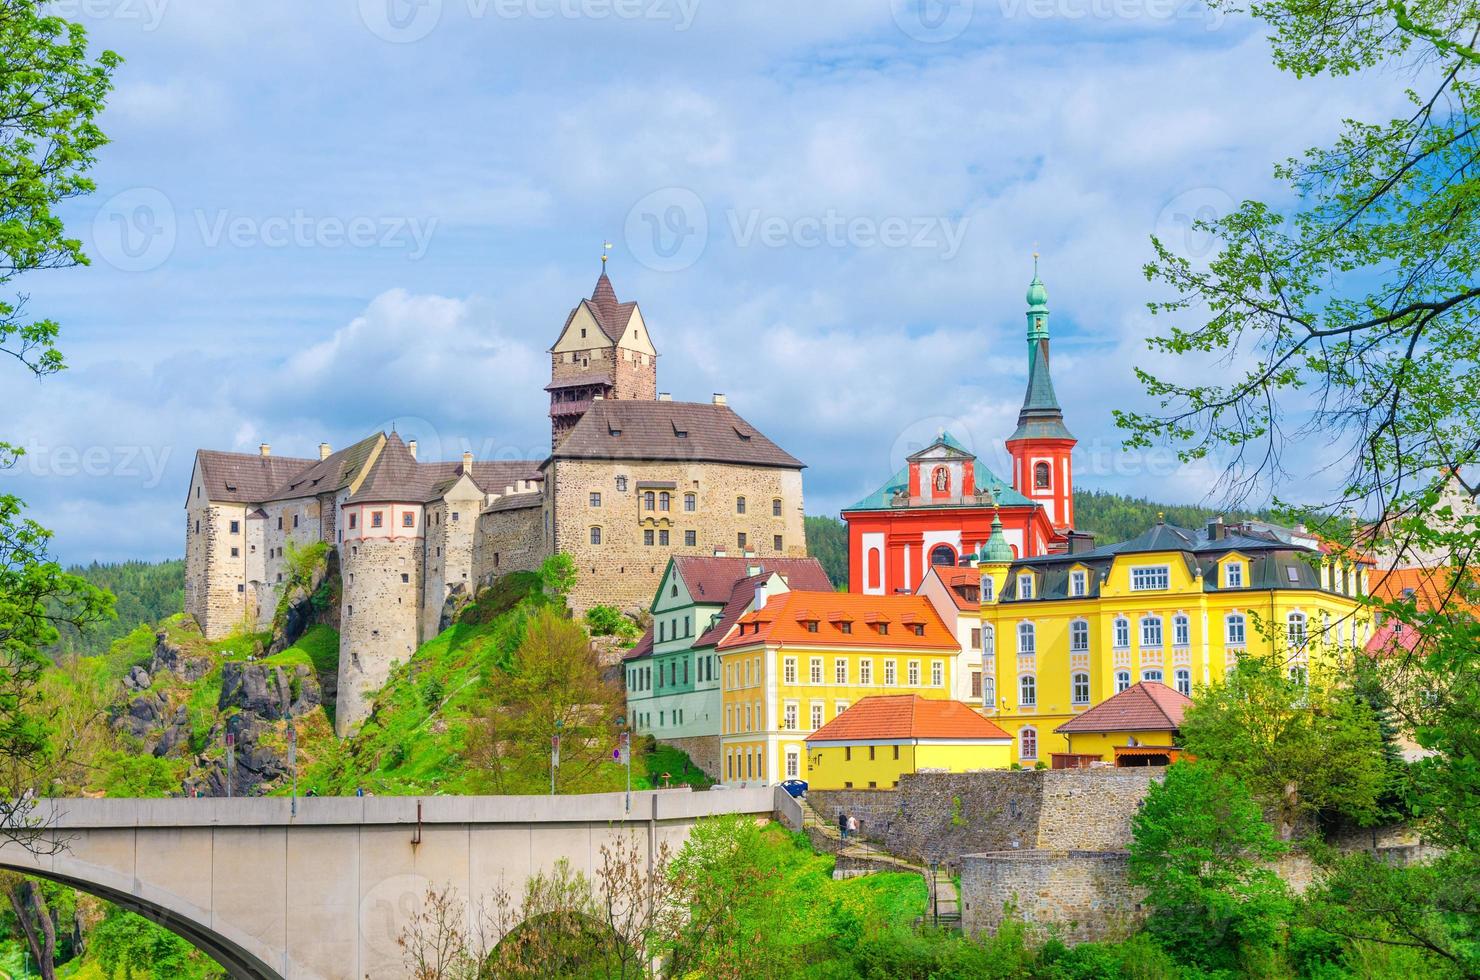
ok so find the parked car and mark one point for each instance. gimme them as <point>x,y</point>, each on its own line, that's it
<point>718,786</point>
<point>795,787</point>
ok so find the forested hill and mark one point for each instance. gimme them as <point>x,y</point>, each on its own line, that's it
<point>147,593</point>
<point>1110,517</point>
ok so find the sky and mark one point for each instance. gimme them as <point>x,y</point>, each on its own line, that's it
<point>317,220</point>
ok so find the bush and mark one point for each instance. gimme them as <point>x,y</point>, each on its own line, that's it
<point>609,621</point>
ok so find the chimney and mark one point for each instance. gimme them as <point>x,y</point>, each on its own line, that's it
<point>719,398</point>
<point>411,446</point>
<point>265,449</point>
<point>760,595</point>
<point>324,450</point>
<point>665,396</point>
<point>1216,529</point>
<point>719,552</point>
<point>467,460</point>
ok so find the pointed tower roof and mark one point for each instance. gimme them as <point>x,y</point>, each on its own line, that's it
<point>1040,417</point>
<point>996,550</point>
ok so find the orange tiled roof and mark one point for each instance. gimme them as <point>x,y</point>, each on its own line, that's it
<point>785,616</point>
<point>1149,706</point>
<point>894,716</point>
<point>954,578</point>
<point>1430,588</point>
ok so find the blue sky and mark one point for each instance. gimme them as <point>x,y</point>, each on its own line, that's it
<point>316,220</point>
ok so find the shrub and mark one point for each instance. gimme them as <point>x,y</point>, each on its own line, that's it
<point>609,621</point>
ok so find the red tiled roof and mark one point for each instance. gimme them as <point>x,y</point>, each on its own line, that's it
<point>898,716</point>
<point>801,573</point>
<point>954,577</point>
<point>643,648</point>
<point>1149,706</point>
<point>778,622</point>
<point>712,578</point>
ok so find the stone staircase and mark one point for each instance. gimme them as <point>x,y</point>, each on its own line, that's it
<point>856,857</point>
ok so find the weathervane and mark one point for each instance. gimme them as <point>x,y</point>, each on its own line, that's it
<point>605,246</point>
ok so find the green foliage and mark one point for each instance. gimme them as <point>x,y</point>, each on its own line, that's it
<point>302,563</point>
<point>1111,517</point>
<point>1199,849</point>
<point>144,593</point>
<point>558,576</point>
<point>1299,748</point>
<point>503,595</point>
<point>609,621</point>
<point>130,947</point>
<point>827,541</point>
<point>131,773</point>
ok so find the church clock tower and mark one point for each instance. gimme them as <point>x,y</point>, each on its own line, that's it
<point>1041,447</point>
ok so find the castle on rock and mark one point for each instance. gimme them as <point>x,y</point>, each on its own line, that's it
<point>632,479</point>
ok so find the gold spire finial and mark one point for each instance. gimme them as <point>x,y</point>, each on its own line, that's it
<point>605,247</point>
<point>1035,259</point>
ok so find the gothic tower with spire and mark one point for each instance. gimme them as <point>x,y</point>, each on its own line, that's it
<point>603,351</point>
<point>1041,447</point>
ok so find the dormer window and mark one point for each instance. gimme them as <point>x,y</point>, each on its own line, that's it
<point>811,625</point>
<point>1150,578</point>
<point>1025,586</point>
<point>1233,575</point>
<point>883,629</point>
<point>918,629</point>
<point>1078,583</point>
<point>845,626</point>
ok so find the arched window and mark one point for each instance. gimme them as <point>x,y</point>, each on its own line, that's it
<point>1295,629</point>
<point>1028,743</point>
<point>1122,680</point>
<point>989,690</point>
<point>987,588</point>
<point>1079,636</point>
<point>1122,631</point>
<point>1181,631</point>
<point>1079,688</point>
<point>989,641</point>
<point>1235,631</point>
<point>649,499</point>
<point>596,535</point>
<point>1041,476</point>
<point>1027,639</point>
<point>1151,675</point>
<point>942,554</point>
<point>1184,682</point>
<point>1150,631</point>
<point>664,499</point>
<point>1027,691</point>
<point>875,579</point>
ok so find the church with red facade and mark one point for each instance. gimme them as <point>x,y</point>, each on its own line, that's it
<point>938,510</point>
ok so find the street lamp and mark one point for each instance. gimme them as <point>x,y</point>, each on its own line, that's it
<point>293,763</point>
<point>624,755</point>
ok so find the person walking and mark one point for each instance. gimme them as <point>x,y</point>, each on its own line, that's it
<point>853,826</point>
<point>843,824</point>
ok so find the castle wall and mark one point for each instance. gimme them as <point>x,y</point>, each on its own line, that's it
<point>215,583</point>
<point>623,570</point>
<point>382,578</point>
<point>508,541</point>
<point>297,521</point>
<point>452,529</point>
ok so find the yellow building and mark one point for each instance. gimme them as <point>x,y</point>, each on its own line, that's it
<point>802,658</point>
<point>882,737</point>
<point>1137,727</point>
<point>1062,633</point>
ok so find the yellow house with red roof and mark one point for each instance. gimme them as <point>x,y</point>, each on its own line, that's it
<point>803,658</point>
<point>882,737</point>
<point>1137,727</point>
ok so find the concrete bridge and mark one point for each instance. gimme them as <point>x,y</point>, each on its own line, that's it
<point>324,894</point>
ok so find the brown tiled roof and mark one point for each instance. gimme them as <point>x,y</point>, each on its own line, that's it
<point>800,574</point>
<point>908,716</point>
<point>610,315</point>
<point>643,648</point>
<point>516,501</point>
<point>688,431</point>
<point>1149,706</point>
<point>328,475</point>
<point>710,578</point>
<point>397,475</point>
<point>244,478</point>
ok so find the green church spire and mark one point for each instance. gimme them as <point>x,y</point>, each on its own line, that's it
<point>1041,417</point>
<point>996,550</point>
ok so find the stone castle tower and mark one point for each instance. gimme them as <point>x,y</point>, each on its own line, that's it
<point>603,352</point>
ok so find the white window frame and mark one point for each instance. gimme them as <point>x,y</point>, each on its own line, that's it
<point>793,764</point>
<point>840,671</point>
<point>1078,584</point>
<point>791,716</point>
<point>1152,674</point>
<point>1025,585</point>
<point>1297,637</point>
<point>817,712</point>
<point>1027,691</point>
<point>789,670</point>
<point>1152,632</point>
<point>937,674</point>
<point>866,672</point>
<point>912,673</point>
<point>987,586</point>
<point>814,670</point>
<point>1122,633</point>
<point>1027,639</point>
<point>1079,687</point>
<point>891,675</point>
<point>1028,736</point>
<point>989,689</point>
<point>1183,678</point>
<point>1181,631</point>
<point>1229,622</point>
<point>1233,575</point>
<point>1122,680</point>
<point>1151,578</point>
<point>1079,636</point>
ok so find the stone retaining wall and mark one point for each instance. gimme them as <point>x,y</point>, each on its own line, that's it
<point>1078,896</point>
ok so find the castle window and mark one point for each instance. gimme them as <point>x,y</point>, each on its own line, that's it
<point>1028,743</point>
<point>377,519</point>
<point>690,502</point>
<point>986,588</point>
<point>236,552</point>
<point>595,499</point>
<point>776,507</point>
<point>240,587</point>
<point>865,672</point>
<point>236,527</point>
<point>647,536</point>
<point>664,499</point>
<point>408,519</point>
<point>354,521</point>
<point>649,500</point>
<point>197,527</point>
<point>279,576</point>
<point>280,522</point>
<point>814,670</point>
<point>1041,474</point>
<point>1122,680</point>
<point>295,520</point>
<point>789,670</point>
<point>989,641</point>
<point>1079,688</point>
<point>596,535</point>
<point>690,538</point>
<point>739,505</point>
<point>663,538</point>
<point>889,677</point>
<point>776,542</point>
<point>454,517</point>
<point>405,578</point>
<point>621,484</point>
<point>1184,682</point>
<point>740,539</point>
<point>840,667</point>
